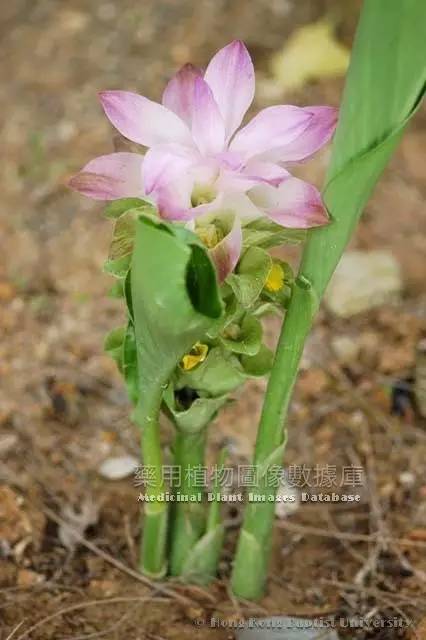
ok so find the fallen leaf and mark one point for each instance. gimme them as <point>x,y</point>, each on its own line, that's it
<point>312,52</point>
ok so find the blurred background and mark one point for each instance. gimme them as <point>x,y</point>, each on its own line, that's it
<point>67,446</point>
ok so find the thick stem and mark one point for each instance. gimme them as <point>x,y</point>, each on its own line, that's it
<point>154,534</point>
<point>253,550</point>
<point>189,515</point>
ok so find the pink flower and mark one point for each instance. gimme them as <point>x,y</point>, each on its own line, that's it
<point>199,161</point>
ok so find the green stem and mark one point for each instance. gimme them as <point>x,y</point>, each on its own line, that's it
<point>252,556</point>
<point>188,517</point>
<point>154,534</point>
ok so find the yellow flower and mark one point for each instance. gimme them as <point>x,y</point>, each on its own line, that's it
<point>209,235</point>
<point>197,355</point>
<point>275,280</point>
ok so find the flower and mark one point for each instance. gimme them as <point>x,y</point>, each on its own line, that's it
<point>197,355</point>
<point>199,160</point>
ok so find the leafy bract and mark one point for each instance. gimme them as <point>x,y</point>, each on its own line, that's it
<point>250,277</point>
<point>264,233</point>
<point>174,298</point>
<point>258,365</point>
<point>198,415</point>
<point>248,337</point>
<point>117,207</point>
<point>219,374</point>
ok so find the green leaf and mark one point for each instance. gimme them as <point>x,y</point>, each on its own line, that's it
<point>247,283</point>
<point>385,83</point>
<point>264,233</point>
<point>247,339</point>
<point>117,207</point>
<point>174,296</point>
<point>219,374</point>
<point>258,365</point>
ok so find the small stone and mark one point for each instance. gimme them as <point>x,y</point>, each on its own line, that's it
<point>407,479</point>
<point>27,578</point>
<point>346,349</point>
<point>313,382</point>
<point>119,467</point>
<point>288,500</point>
<point>7,443</point>
<point>363,280</point>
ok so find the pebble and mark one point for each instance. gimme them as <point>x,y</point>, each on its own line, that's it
<point>292,500</point>
<point>346,348</point>
<point>119,467</point>
<point>407,479</point>
<point>363,280</point>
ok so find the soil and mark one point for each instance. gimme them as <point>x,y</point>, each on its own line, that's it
<point>63,408</point>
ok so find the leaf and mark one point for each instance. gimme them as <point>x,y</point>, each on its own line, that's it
<point>175,299</point>
<point>258,365</point>
<point>311,53</point>
<point>266,234</point>
<point>117,207</point>
<point>247,283</point>
<point>219,374</point>
<point>248,339</point>
<point>386,81</point>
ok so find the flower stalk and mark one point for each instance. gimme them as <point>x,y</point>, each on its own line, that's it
<point>154,539</point>
<point>188,517</point>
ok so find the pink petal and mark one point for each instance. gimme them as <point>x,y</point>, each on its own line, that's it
<point>142,120</point>
<point>294,204</point>
<point>257,172</point>
<point>318,132</point>
<point>178,95</point>
<point>208,129</point>
<point>174,199</point>
<point>272,128</point>
<point>230,75</point>
<point>165,163</point>
<point>242,206</point>
<point>226,253</point>
<point>117,175</point>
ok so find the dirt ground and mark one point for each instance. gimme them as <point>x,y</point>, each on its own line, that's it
<point>63,408</point>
